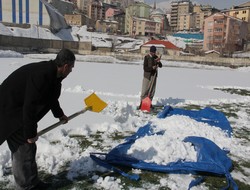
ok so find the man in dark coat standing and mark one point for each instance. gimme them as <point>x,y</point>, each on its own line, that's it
<point>26,96</point>
<point>150,68</point>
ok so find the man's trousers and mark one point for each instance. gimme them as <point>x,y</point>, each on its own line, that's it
<point>24,167</point>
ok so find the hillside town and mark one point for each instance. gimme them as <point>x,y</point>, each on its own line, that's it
<point>206,30</point>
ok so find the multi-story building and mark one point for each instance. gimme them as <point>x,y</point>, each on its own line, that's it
<point>109,14</point>
<point>161,17</point>
<point>120,18</point>
<point>224,33</point>
<point>242,12</point>
<point>96,10</point>
<point>180,9</point>
<point>82,6</point>
<point>145,27</point>
<point>106,26</point>
<point>201,13</point>
<point>126,3</point>
<point>186,22</point>
<point>78,20</point>
<point>139,10</point>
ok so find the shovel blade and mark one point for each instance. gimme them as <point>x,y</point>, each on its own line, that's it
<point>94,103</point>
<point>146,104</point>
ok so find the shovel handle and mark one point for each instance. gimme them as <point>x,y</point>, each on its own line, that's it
<point>62,121</point>
<point>151,84</point>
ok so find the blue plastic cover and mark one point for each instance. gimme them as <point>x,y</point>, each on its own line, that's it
<point>210,158</point>
<point>206,115</point>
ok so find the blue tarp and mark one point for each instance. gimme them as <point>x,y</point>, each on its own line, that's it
<point>206,115</point>
<point>197,36</point>
<point>210,158</point>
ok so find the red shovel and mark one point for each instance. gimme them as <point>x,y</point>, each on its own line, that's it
<point>146,102</point>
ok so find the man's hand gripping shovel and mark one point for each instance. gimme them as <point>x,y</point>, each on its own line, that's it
<point>93,103</point>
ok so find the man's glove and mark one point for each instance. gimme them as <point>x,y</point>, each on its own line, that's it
<point>64,118</point>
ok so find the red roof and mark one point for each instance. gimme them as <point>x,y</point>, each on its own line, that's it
<point>167,44</point>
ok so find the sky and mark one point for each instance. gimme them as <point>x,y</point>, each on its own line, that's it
<point>179,84</point>
<point>220,4</point>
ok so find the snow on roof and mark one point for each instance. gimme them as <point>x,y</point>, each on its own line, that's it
<point>156,45</point>
<point>212,51</point>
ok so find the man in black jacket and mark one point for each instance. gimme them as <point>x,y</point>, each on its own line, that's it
<point>150,68</point>
<point>26,96</point>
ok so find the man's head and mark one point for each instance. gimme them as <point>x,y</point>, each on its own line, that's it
<point>152,49</point>
<point>65,61</point>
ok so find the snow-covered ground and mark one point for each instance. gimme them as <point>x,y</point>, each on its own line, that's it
<point>119,84</point>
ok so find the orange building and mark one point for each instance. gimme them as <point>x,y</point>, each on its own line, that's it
<point>224,33</point>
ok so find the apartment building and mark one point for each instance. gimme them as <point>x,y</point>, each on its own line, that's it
<point>126,3</point>
<point>186,22</point>
<point>83,6</point>
<point>145,27</point>
<point>161,17</point>
<point>188,17</point>
<point>106,26</point>
<point>137,10</point>
<point>224,33</point>
<point>242,12</point>
<point>120,18</point>
<point>110,12</point>
<point>201,12</point>
<point>96,10</point>
<point>179,11</point>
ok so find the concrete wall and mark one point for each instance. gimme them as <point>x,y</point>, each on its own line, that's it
<point>22,44</point>
<point>217,61</point>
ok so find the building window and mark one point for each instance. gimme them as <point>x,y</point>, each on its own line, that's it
<point>210,38</point>
<point>244,12</point>
<point>218,37</point>
<point>218,29</point>
<point>218,21</point>
<point>210,23</point>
